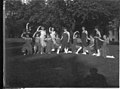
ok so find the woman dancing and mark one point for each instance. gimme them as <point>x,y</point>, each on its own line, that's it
<point>65,40</point>
<point>58,45</point>
<point>98,41</point>
<point>42,39</point>
<point>104,49</point>
<point>52,34</point>
<point>90,47</point>
<point>76,46</point>
<point>37,45</point>
<point>27,46</point>
<point>84,39</point>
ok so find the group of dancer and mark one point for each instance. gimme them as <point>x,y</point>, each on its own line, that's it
<point>49,42</point>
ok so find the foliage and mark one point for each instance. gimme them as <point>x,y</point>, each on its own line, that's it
<point>58,13</point>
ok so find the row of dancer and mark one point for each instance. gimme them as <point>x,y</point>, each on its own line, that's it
<point>51,41</point>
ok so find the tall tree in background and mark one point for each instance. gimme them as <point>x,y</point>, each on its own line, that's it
<point>63,13</point>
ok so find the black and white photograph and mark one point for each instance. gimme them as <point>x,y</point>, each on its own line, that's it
<point>61,43</point>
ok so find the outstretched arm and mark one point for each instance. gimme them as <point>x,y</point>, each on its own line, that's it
<point>101,39</point>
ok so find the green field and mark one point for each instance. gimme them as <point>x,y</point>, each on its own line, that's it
<point>63,70</point>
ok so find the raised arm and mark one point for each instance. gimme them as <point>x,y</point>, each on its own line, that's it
<point>22,35</point>
<point>99,33</point>
<point>50,29</point>
<point>61,37</point>
<point>38,28</point>
<point>68,36</point>
<point>34,34</point>
<point>74,34</point>
<point>27,26</point>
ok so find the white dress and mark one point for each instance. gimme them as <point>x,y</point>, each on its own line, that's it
<point>53,36</point>
<point>42,38</point>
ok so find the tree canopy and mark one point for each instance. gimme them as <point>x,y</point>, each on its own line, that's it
<point>61,13</point>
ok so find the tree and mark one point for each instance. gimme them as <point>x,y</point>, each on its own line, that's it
<point>61,13</point>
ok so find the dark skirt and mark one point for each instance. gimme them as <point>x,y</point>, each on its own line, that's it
<point>98,43</point>
<point>65,44</point>
<point>49,46</point>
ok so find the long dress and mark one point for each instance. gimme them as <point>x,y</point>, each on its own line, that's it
<point>90,47</point>
<point>84,39</point>
<point>104,49</point>
<point>52,34</point>
<point>37,43</point>
<point>42,38</point>
<point>48,45</point>
<point>65,43</point>
<point>58,42</point>
<point>34,38</point>
<point>97,42</point>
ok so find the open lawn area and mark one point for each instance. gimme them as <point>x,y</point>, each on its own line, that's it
<point>53,70</point>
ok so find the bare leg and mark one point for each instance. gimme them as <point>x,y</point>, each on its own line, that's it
<point>84,51</point>
<point>58,50</point>
<point>35,49</point>
<point>78,50</point>
<point>65,50</point>
<point>98,52</point>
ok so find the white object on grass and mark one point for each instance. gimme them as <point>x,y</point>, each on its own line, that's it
<point>110,56</point>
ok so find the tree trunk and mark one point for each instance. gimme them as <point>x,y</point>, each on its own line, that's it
<point>72,30</point>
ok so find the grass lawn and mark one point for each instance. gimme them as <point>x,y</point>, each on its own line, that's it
<point>63,70</point>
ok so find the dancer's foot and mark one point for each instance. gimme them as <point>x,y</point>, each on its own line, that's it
<point>93,54</point>
<point>57,52</point>
<point>76,52</point>
<point>84,53</point>
<point>53,50</point>
<point>97,55</point>
<point>69,51</point>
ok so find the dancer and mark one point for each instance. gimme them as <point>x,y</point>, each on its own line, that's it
<point>76,46</point>
<point>84,39</point>
<point>104,49</point>
<point>36,37</point>
<point>37,45</point>
<point>90,47</point>
<point>52,34</point>
<point>42,39</point>
<point>27,46</point>
<point>97,42</point>
<point>65,40</point>
<point>58,45</point>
